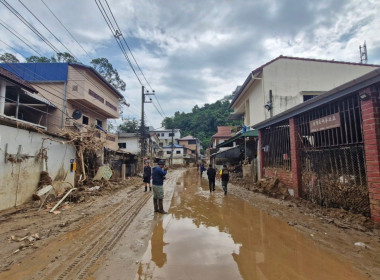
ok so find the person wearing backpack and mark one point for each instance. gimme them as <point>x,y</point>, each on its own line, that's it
<point>225,177</point>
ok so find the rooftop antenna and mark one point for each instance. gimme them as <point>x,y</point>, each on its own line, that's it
<point>363,54</point>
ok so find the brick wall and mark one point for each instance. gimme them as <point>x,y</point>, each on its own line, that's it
<point>371,134</point>
<point>285,176</point>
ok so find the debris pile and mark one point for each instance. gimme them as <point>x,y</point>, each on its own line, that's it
<point>27,241</point>
<point>272,187</point>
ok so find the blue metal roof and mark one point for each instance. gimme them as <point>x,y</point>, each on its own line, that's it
<point>39,72</point>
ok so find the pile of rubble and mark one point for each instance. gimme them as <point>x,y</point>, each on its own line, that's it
<point>271,187</point>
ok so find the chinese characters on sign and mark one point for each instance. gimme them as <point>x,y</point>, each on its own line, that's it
<point>327,122</point>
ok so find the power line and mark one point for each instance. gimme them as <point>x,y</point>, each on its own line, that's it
<point>29,25</point>
<point>19,36</point>
<point>48,29</point>
<point>116,33</point>
<point>72,36</point>
<point>125,41</point>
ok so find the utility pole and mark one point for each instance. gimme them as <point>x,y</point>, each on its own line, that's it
<point>363,54</point>
<point>171,161</point>
<point>142,128</point>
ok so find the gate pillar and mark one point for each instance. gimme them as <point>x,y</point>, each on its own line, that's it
<point>370,106</point>
<point>295,152</point>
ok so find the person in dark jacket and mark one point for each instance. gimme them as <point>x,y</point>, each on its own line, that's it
<point>211,173</point>
<point>147,175</point>
<point>225,177</point>
<point>158,177</point>
<point>202,168</point>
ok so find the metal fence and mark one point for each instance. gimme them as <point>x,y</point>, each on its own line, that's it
<point>276,146</point>
<point>332,155</point>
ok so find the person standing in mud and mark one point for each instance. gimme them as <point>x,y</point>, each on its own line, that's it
<point>211,173</point>
<point>225,177</point>
<point>147,176</point>
<point>158,177</point>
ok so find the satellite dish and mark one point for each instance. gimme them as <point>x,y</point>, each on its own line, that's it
<point>77,114</point>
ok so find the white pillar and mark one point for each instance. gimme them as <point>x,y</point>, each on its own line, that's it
<point>3,86</point>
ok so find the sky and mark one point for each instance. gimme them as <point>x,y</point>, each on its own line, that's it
<point>193,52</point>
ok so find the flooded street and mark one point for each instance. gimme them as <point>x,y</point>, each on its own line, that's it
<point>213,236</point>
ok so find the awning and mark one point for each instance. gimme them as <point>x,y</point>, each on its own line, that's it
<point>249,133</point>
<point>233,116</point>
<point>231,152</point>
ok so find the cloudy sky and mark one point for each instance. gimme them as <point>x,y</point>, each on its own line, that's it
<point>194,52</point>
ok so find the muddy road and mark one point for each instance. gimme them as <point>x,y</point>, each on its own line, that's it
<point>243,235</point>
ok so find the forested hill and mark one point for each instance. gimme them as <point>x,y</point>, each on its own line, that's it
<point>202,122</point>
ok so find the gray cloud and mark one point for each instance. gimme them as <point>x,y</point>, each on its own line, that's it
<point>194,52</point>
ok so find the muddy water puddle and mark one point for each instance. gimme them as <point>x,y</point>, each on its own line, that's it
<point>213,236</point>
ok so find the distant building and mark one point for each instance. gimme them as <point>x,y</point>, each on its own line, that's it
<point>193,146</point>
<point>129,142</point>
<point>175,154</point>
<point>165,136</point>
<point>224,133</point>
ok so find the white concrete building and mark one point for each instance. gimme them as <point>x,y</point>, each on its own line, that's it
<point>165,136</point>
<point>285,82</point>
<point>129,142</point>
<point>175,154</point>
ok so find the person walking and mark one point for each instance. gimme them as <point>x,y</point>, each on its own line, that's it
<point>202,168</point>
<point>158,177</point>
<point>147,176</point>
<point>211,173</point>
<point>225,177</point>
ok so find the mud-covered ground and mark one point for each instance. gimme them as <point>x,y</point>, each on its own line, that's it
<point>25,229</point>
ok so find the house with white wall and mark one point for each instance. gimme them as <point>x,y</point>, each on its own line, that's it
<point>175,154</point>
<point>284,82</point>
<point>129,142</point>
<point>26,147</point>
<point>168,136</point>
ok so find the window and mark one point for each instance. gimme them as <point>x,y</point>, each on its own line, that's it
<point>99,123</point>
<point>308,97</point>
<point>162,134</point>
<point>122,145</point>
<point>193,152</point>
<point>178,152</point>
<point>168,152</point>
<point>85,120</point>
<point>192,142</point>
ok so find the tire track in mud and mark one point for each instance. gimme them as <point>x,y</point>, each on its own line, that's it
<point>76,254</point>
<point>104,239</point>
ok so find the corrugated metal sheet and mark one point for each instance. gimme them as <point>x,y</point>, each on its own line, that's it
<point>39,72</point>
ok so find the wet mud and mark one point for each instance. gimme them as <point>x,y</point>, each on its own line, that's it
<point>216,236</point>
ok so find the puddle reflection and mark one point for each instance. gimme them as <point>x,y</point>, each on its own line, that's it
<point>212,236</point>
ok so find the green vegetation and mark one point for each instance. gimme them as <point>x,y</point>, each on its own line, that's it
<point>202,122</point>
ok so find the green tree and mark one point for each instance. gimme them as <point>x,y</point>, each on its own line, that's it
<point>37,59</point>
<point>64,57</point>
<point>61,57</point>
<point>105,68</point>
<point>202,122</point>
<point>8,58</point>
<point>130,126</point>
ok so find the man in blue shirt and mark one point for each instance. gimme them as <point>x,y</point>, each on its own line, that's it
<point>158,177</point>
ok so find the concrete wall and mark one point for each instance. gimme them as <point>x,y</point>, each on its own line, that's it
<point>19,180</point>
<point>132,144</point>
